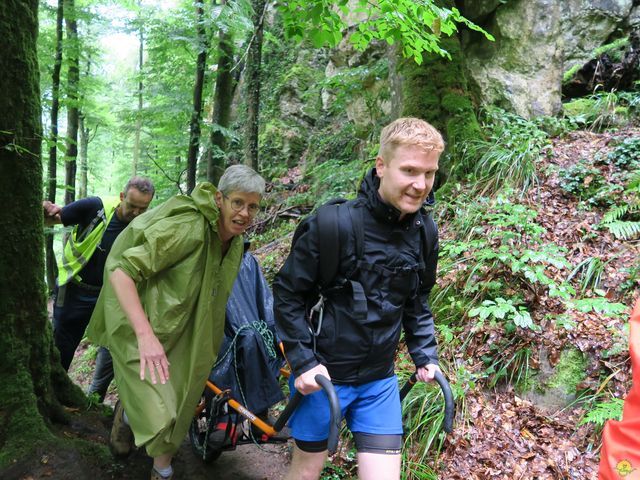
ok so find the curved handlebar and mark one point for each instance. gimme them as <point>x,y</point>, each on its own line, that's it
<point>449,404</point>
<point>334,406</point>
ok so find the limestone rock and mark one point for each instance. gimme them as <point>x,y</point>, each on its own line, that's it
<point>536,42</point>
<point>588,24</point>
<point>522,70</point>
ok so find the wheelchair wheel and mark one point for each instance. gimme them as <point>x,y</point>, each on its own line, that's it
<point>198,439</point>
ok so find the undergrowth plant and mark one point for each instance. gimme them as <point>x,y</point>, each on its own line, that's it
<point>586,182</point>
<point>508,155</point>
<point>494,274</point>
<point>623,220</point>
<point>603,110</point>
<point>603,411</point>
<point>423,414</point>
<point>588,273</point>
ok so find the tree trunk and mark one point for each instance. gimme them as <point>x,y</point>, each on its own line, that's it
<point>73,80</point>
<point>83,154</point>
<point>222,99</point>
<point>136,145</point>
<point>437,92</point>
<point>194,127</point>
<point>52,171</point>
<point>27,374</point>
<point>252,78</point>
<point>83,147</point>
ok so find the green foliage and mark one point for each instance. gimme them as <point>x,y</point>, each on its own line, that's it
<point>502,309</point>
<point>505,252</point>
<point>626,155</point>
<point>623,220</point>
<point>508,156</point>
<point>599,111</point>
<point>624,230</point>
<point>587,183</point>
<point>416,25</point>
<point>589,272</point>
<point>423,412</point>
<point>359,82</point>
<point>599,305</point>
<point>509,361</point>
<point>340,145</point>
<point>615,49</point>
<point>335,178</point>
<point>632,280</point>
<point>603,411</point>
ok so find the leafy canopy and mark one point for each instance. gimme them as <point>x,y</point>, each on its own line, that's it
<point>418,25</point>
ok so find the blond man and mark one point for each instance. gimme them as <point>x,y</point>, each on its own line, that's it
<point>387,269</point>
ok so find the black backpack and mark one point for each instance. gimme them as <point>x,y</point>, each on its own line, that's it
<point>335,218</point>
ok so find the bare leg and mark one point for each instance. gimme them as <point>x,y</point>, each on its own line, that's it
<point>376,466</point>
<point>162,461</point>
<point>305,465</point>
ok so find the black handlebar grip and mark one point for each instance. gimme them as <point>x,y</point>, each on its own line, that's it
<point>288,410</point>
<point>449,404</point>
<point>336,413</point>
<point>334,407</point>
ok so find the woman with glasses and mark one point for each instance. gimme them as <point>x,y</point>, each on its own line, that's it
<point>161,313</point>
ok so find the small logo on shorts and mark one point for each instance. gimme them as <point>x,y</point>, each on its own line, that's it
<point>624,468</point>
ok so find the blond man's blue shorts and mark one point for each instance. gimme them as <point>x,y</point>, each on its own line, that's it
<point>372,408</point>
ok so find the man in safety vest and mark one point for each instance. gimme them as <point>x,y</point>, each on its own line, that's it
<point>97,222</point>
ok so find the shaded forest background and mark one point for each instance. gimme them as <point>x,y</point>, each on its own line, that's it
<point>538,201</point>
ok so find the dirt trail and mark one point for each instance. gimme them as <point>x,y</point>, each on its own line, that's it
<point>59,462</point>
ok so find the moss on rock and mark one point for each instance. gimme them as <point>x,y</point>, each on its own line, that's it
<point>437,91</point>
<point>569,371</point>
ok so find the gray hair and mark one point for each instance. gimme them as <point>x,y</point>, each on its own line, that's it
<point>142,184</point>
<point>240,178</point>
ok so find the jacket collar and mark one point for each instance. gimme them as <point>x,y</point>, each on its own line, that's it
<point>204,197</point>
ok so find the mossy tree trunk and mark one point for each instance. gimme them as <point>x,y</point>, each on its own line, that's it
<point>52,267</point>
<point>196,113</point>
<point>437,92</point>
<point>222,100</point>
<point>138,127</point>
<point>31,384</point>
<point>252,82</point>
<point>73,82</point>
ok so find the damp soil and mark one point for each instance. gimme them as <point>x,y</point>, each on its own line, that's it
<point>91,460</point>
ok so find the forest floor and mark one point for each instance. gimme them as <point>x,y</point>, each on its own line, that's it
<point>504,435</point>
<point>247,462</point>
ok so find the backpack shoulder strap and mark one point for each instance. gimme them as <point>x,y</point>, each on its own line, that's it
<point>429,242</point>
<point>328,241</point>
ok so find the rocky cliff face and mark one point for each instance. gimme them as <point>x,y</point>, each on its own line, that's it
<point>536,42</point>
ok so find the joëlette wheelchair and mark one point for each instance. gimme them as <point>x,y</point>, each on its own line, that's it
<point>214,429</point>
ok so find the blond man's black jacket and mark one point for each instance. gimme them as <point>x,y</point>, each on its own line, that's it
<point>373,298</point>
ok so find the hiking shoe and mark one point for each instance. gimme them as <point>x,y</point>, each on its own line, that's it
<point>121,440</point>
<point>156,476</point>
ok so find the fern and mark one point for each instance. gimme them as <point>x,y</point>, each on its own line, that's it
<point>604,411</point>
<point>615,213</point>
<point>634,183</point>
<point>624,230</point>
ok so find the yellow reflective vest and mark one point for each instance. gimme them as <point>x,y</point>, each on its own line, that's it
<point>81,244</point>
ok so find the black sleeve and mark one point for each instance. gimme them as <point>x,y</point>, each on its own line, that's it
<point>80,212</point>
<point>418,322</point>
<point>294,283</point>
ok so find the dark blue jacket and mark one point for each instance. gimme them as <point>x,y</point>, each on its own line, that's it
<point>358,345</point>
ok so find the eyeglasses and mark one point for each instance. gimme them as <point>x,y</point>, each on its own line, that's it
<point>237,205</point>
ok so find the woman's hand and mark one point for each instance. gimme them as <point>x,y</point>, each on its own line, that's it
<point>153,357</point>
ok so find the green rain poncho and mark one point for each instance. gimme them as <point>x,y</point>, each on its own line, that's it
<point>173,253</point>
